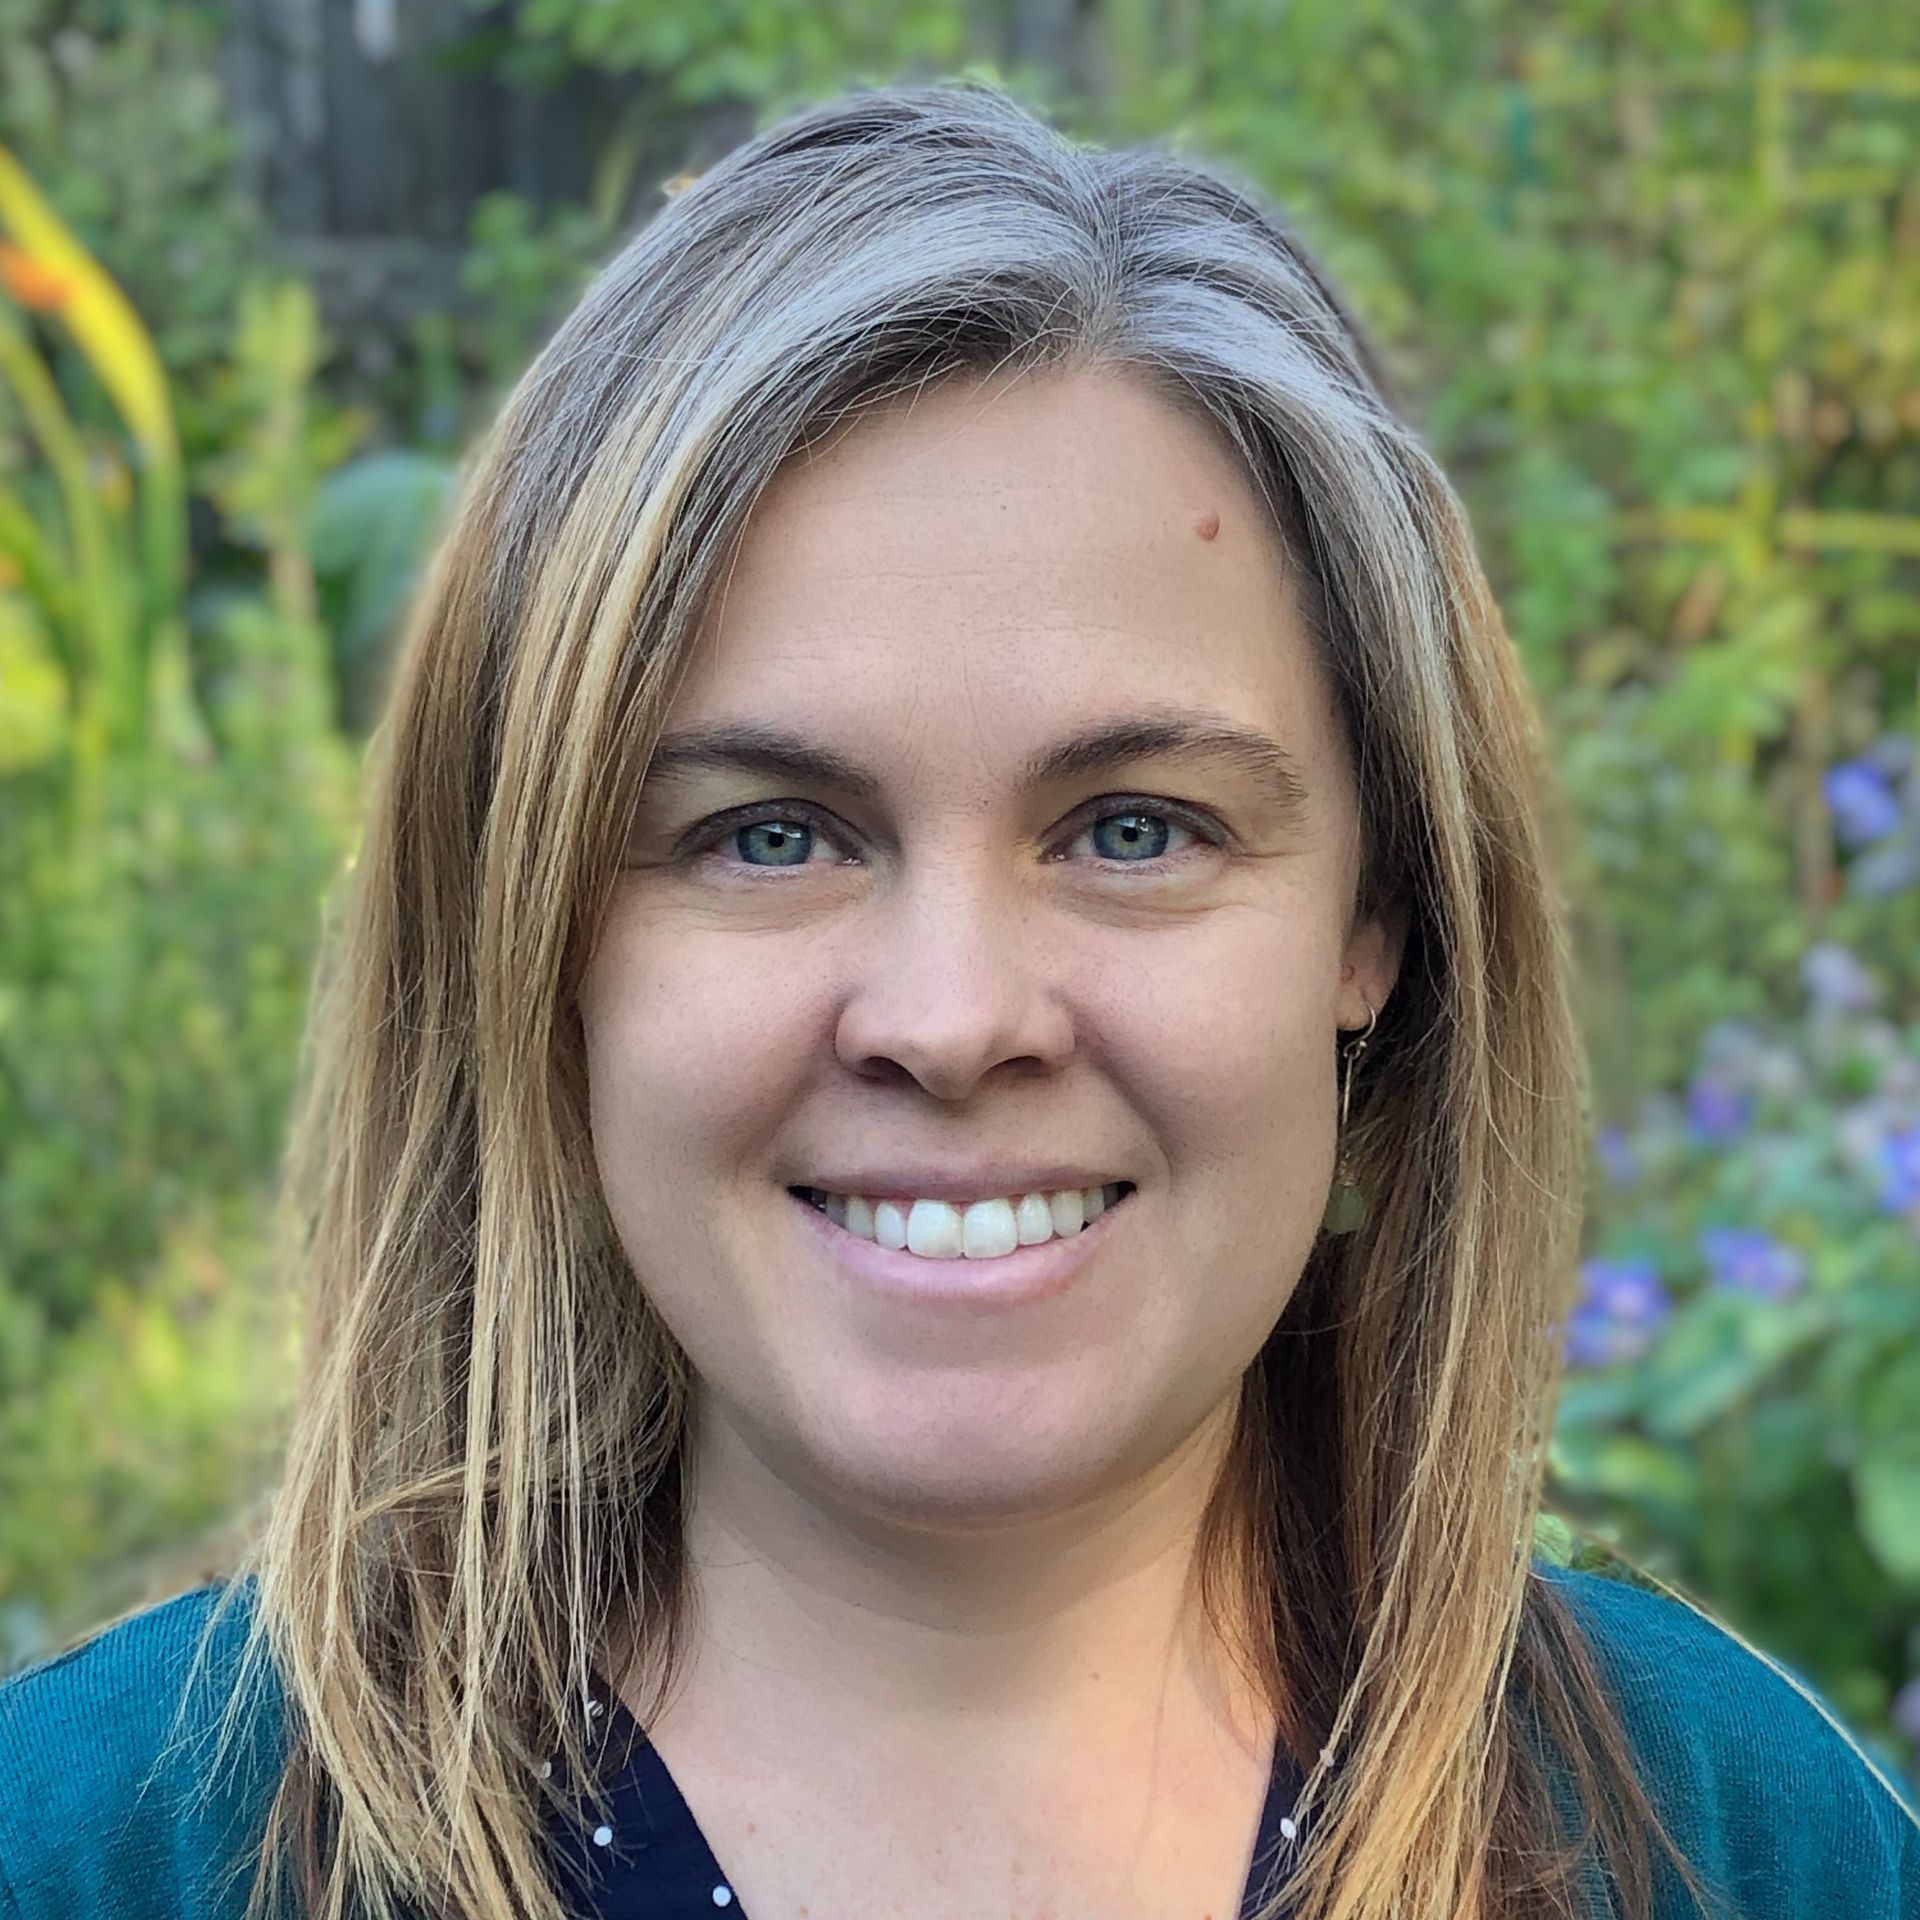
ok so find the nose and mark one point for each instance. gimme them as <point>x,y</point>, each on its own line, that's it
<point>953,978</point>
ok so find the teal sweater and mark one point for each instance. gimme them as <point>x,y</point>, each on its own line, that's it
<point>103,1816</point>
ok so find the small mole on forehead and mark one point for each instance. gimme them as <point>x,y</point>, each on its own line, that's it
<point>1208,526</point>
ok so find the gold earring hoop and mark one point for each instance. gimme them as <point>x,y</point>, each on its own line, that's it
<point>1346,1209</point>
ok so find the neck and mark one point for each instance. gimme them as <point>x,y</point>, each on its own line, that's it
<point>953,1650</point>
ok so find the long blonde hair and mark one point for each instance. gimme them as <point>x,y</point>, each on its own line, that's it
<point>484,1465</point>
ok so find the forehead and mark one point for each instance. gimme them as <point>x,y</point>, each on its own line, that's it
<point>1019,547</point>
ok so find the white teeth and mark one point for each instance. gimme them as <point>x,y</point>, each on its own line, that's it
<point>1033,1220</point>
<point>890,1224</point>
<point>985,1230</point>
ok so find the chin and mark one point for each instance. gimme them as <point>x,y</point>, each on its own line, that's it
<point>974,1453</point>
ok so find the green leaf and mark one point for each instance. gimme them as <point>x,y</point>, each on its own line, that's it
<point>1625,1465</point>
<point>371,525</point>
<point>1717,1350</point>
<point>1886,1486</point>
<point>1552,1539</point>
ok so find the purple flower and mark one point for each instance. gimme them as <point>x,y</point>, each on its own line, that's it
<point>1716,1112</point>
<point>1900,1160</point>
<point>1865,807</point>
<point>1749,1260</point>
<point>1835,979</point>
<point>1617,1315</point>
<point>1906,1709</point>
<point>1617,1156</point>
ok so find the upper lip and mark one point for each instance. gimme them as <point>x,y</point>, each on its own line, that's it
<point>944,1183</point>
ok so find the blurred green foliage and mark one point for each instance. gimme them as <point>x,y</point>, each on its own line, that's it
<point>1746,1353</point>
<point>166,835</point>
<point>116,108</point>
<point>1648,275</point>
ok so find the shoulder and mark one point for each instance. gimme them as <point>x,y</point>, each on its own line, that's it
<point>1764,1789</point>
<point>126,1791</point>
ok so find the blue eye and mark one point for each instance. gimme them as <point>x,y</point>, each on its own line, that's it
<point>787,840</point>
<point>1143,831</point>
<point>789,831</point>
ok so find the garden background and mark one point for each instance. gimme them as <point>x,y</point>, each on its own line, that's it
<point>1649,275</point>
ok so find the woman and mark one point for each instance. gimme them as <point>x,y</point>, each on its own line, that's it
<point>943,1153</point>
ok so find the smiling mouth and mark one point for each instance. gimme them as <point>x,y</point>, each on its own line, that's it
<point>946,1230</point>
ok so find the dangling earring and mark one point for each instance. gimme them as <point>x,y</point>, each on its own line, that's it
<point>1346,1209</point>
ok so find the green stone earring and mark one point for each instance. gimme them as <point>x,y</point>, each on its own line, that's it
<point>1346,1210</point>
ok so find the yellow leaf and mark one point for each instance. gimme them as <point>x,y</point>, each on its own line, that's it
<point>33,693</point>
<point>33,284</point>
<point>45,256</point>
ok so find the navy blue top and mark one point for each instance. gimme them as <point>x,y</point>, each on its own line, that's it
<point>637,1853</point>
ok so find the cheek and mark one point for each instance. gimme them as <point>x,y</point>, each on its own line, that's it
<point>1235,1071</point>
<point>659,1097</point>
<point>1233,1047</point>
<point>687,1064</point>
<point>637,1074</point>
<point>1249,1189</point>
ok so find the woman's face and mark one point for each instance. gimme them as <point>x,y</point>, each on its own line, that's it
<point>939,966</point>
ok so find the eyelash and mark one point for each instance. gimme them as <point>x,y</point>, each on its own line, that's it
<point>711,833</point>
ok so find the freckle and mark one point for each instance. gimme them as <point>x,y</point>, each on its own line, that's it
<point>1208,526</point>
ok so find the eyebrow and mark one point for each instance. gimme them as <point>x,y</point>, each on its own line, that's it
<point>1163,733</point>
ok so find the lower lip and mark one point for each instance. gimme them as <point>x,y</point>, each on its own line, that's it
<point>1020,1278</point>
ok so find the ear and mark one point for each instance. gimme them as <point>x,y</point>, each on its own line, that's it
<point>1371,964</point>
